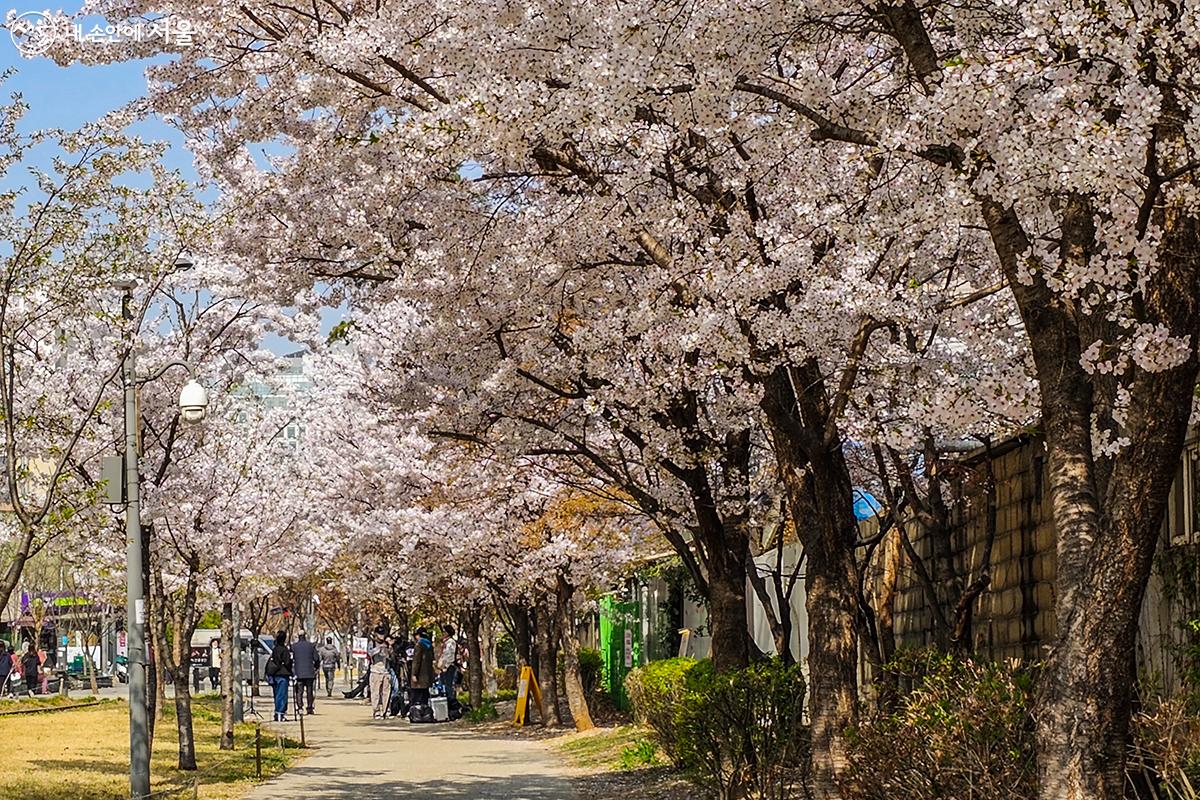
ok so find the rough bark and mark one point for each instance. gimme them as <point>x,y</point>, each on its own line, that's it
<point>576,696</point>
<point>488,647</point>
<point>183,721</point>
<point>228,679</point>
<point>474,620</point>
<point>1107,521</point>
<point>547,682</point>
<point>820,500</point>
<point>727,619</point>
<point>522,641</point>
<point>177,657</point>
<point>887,690</point>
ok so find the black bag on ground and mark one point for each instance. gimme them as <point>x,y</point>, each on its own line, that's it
<point>420,713</point>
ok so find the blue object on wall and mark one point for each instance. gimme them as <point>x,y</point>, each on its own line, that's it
<point>865,504</point>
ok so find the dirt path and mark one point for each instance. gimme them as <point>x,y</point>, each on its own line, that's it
<point>357,757</point>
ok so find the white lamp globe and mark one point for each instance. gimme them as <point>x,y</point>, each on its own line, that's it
<point>193,402</point>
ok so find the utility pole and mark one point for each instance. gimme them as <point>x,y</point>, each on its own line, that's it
<point>135,590</point>
<point>193,402</point>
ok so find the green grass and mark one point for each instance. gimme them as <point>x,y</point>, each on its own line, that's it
<point>623,748</point>
<point>45,701</point>
<point>502,695</point>
<point>485,713</point>
<point>83,754</point>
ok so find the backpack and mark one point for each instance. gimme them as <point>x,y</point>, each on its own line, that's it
<point>272,667</point>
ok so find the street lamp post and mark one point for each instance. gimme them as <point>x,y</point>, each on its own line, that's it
<point>193,402</point>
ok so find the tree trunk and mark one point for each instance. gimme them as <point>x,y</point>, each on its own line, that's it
<point>576,696</point>
<point>1107,516</point>
<point>258,611</point>
<point>229,684</point>
<point>155,692</point>
<point>89,663</point>
<point>183,720</point>
<point>543,633</point>
<point>488,648</point>
<point>522,640</point>
<point>474,618</point>
<point>820,499</point>
<point>727,619</point>
<point>887,690</point>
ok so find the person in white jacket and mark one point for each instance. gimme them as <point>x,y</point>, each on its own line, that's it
<point>448,667</point>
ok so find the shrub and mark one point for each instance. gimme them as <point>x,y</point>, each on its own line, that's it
<point>591,667</point>
<point>963,732</point>
<point>1164,757</point>
<point>742,732</point>
<point>656,692</point>
<point>739,732</point>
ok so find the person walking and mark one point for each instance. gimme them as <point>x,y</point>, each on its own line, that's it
<point>381,682</point>
<point>304,666</point>
<point>331,659</point>
<point>6,669</point>
<point>31,666</point>
<point>448,666</point>
<point>422,668</point>
<point>279,674</point>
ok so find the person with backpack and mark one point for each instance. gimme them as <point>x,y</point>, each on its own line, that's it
<point>279,674</point>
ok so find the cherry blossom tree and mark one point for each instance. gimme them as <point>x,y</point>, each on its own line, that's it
<point>103,209</point>
<point>768,198</point>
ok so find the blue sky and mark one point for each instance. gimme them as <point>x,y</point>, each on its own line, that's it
<point>68,97</point>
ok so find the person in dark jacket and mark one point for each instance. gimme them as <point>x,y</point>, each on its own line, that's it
<point>6,669</point>
<point>279,674</point>
<point>31,665</point>
<point>305,662</point>
<point>422,668</point>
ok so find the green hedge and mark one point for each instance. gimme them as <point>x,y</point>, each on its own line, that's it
<point>740,732</point>
<point>656,692</point>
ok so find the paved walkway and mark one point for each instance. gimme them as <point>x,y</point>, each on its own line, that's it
<point>358,757</point>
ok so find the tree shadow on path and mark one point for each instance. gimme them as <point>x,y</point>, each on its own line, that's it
<point>339,784</point>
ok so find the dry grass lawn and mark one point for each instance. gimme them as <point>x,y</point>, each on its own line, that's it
<point>83,754</point>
